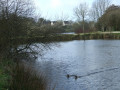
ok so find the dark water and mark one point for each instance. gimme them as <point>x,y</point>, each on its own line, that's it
<point>95,62</point>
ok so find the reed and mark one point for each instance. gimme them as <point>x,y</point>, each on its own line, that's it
<point>24,78</point>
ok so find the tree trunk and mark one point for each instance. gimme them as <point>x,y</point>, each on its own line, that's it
<point>83,30</point>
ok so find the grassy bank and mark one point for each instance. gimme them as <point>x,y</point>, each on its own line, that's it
<point>3,79</point>
<point>87,36</point>
<point>25,78</point>
<point>67,37</point>
<point>20,76</point>
<point>14,76</point>
<point>5,74</point>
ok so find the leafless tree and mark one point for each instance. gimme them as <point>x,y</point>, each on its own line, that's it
<point>99,7</point>
<point>61,17</point>
<point>92,15</point>
<point>16,19</point>
<point>14,16</point>
<point>81,12</point>
<point>18,7</point>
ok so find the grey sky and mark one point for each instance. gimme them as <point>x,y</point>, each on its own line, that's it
<point>54,9</point>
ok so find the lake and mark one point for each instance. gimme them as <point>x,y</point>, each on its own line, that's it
<point>96,63</point>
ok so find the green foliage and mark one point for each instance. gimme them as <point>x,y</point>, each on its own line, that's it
<point>16,23</point>
<point>5,71</point>
<point>110,20</point>
<point>3,80</point>
<point>42,21</point>
<point>68,28</point>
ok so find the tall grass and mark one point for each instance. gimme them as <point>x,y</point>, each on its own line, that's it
<point>3,79</point>
<point>24,78</point>
<point>4,74</point>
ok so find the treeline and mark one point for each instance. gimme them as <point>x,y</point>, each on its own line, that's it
<point>13,23</point>
<point>110,20</point>
<point>16,25</point>
<point>45,27</point>
<point>102,16</point>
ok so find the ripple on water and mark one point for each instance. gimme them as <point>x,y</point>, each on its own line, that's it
<point>98,61</point>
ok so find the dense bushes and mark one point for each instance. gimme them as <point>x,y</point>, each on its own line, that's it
<point>110,20</point>
<point>78,27</point>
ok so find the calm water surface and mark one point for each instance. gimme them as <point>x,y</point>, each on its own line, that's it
<point>97,61</point>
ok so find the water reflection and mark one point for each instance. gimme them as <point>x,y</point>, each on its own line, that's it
<point>95,60</point>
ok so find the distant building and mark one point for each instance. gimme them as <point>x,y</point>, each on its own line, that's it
<point>64,23</point>
<point>53,22</point>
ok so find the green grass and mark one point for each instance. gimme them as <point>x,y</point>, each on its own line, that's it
<point>68,37</point>
<point>5,73</point>
<point>3,79</point>
<point>18,77</point>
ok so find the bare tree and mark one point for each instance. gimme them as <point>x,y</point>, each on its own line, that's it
<point>98,8</point>
<point>92,15</point>
<point>16,20</point>
<point>14,15</point>
<point>62,17</point>
<point>19,7</point>
<point>81,12</point>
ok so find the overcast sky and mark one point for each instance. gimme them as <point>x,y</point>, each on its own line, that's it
<point>54,9</point>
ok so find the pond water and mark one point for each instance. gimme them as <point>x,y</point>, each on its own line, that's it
<point>96,63</point>
<point>69,33</point>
